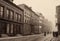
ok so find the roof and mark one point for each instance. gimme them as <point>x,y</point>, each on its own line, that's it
<point>13,4</point>
<point>24,6</point>
<point>28,8</point>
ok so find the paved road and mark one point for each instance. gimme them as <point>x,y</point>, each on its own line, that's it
<point>56,38</point>
<point>39,37</point>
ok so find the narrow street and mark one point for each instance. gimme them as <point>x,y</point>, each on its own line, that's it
<point>40,37</point>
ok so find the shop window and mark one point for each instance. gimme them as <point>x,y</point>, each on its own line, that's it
<point>1,11</point>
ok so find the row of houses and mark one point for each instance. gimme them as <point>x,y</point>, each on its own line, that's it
<point>19,19</point>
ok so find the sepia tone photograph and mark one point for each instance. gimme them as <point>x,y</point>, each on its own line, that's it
<point>29,20</point>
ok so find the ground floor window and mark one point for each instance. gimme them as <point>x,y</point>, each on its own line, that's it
<point>10,29</point>
<point>8,26</point>
<point>13,29</point>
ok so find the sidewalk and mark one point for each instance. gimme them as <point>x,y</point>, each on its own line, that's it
<point>47,37</point>
<point>56,38</point>
<point>21,38</point>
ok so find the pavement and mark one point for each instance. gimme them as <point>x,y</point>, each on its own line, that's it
<point>37,37</point>
<point>56,38</point>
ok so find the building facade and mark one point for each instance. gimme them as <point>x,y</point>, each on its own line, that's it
<point>10,18</point>
<point>41,18</point>
<point>17,19</point>
<point>31,20</point>
<point>58,18</point>
<point>35,22</point>
<point>26,19</point>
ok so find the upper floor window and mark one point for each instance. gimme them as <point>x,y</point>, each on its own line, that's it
<point>40,26</point>
<point>24,20</point>
<point>11,14</point>
<point>7,14</point>
<point>15,16</point>
<point>19,17</point>
<point>1,11</point>
<point>40,21</point>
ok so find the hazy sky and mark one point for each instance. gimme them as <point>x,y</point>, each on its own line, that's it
<point>46,7</point>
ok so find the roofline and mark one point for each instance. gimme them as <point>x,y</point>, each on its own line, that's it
<point>29,9</point>
<point>13,4</point>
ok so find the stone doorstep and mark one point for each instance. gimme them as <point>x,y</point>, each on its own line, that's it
<point>4,35</point>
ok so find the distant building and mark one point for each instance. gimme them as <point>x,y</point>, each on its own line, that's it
<point>58,18</point>
<point>41,18</point>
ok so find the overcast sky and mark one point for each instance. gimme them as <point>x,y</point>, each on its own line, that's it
<point>46,7</point>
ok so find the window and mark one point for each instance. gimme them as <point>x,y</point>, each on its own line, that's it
<point>19,17</point>
<point>40,26</point>
<point>8,27</point>
<point>15,16</point>
<point>11,14</point>
<point>24,20</point>
<point>40,21</point>
<point>1,11</point>
<point>27,21</point>
<point>7,14</point>
<point>40,18</point>
<point>11,28</point>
